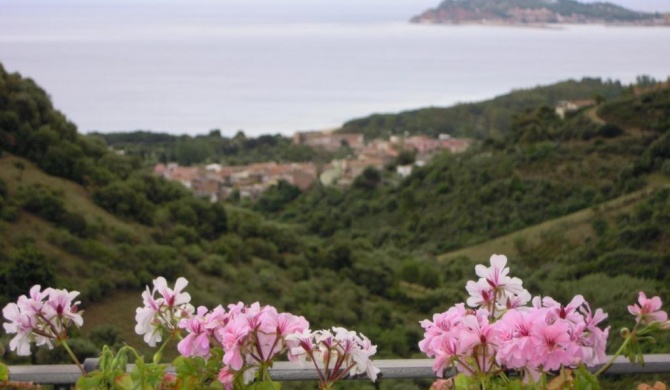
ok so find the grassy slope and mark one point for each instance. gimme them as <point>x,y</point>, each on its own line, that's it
<point>118,308</point>
<point>577,225</point>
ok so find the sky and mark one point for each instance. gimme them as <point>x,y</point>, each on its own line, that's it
<point>304,10</point>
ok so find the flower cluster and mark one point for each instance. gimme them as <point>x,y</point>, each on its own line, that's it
<point>251,337</point>
<point>500,332</point>
<point>162,313</point>
<point>334,354</point>
<point>41,318</point>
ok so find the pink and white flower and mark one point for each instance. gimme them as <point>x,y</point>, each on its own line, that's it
<point>648,310</point>
<point>334,354</point>
<point>504,333</point>
<point>164,312</point>
<point>41,318</point>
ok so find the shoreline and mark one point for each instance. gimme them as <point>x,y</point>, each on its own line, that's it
<point>547,26</point>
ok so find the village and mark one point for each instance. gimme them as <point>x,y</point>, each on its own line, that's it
<point>216,182</point>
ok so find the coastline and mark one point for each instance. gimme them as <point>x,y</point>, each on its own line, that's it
<point>549,26</point>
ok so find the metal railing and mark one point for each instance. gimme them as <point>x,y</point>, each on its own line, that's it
<point>64,375</point>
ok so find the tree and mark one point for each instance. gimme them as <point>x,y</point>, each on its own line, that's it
<point>23,268</point>
<point>368,180</point>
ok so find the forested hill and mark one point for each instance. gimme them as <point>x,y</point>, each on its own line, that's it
<point>482,119</point>
<point>534,12</point>
<point>608,165</point>
<point>187,150</point>
<point>543,168</point>
<point>75,215</point>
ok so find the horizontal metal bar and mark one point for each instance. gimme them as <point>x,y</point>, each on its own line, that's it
<point>51,374</point>
<point>60,374</point>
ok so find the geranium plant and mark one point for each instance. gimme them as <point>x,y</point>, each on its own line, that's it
<point>231,348</point>
<point>502,339</point>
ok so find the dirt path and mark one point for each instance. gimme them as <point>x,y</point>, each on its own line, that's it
<point>592,113</point>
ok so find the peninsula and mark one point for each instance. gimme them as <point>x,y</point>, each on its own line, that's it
<point>536,13</point>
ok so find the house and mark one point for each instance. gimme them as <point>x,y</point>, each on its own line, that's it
<point>328,140</point>
<point>565,106</point>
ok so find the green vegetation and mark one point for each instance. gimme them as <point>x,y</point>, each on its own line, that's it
<point>92,221</point>
<point>575,11</point>
<point>491,118</point>
<point>578,204</point>
<point>581,205</point>
<point>153,148</point>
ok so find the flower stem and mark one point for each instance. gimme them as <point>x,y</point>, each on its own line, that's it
<point>618,352</point>
<point>73,357</point>
<point>159,354</point>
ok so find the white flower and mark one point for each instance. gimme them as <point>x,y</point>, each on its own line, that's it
<point>60,305</point>
<point>495,286</point>
<point>21,324</point>
<point>164,312</point>
<point>481,293</point>
<point>172,297</point>
<point>40,318</point>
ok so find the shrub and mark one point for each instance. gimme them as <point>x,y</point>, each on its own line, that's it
<point>213,265</point>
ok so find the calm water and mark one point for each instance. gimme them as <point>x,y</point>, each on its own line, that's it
<point>126,70</point>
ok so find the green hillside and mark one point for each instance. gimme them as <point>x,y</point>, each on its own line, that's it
<point>75,215</point>
<point>187,150</point>
<point>581,205</point>
<point>481,119</point>
<point>559,196</point>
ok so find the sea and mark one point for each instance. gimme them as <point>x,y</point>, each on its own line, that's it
<point>166,68</point>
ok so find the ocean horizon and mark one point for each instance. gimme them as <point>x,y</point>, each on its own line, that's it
<point>192,75</point>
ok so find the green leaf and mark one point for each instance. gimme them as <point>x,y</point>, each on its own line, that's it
<point>514,385</point>
<point>461,382</point>
<point>123,382</point>
<point>584,380</point>
<point>4,372</point>
<point>265,385</point>
<point>91,381</point>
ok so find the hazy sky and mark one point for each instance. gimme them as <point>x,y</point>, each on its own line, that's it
<point>337,10</point>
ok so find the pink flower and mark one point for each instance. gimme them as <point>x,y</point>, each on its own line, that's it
<point>60,305</point>
<point>196,343</point>
<point>478,339</point>
<point>252,336</point>
<point>505,333</point>
<point>445,353</point>
<point>22,324</point>
<point>515,332</point>
<point>649,310</point>
<point>34,304</point>
<point>569,312</point>
<point>594,339</point>
<point>442,324</point>
<point>227,378</point>
<point>552,342</point>
<point>232,338</point>
<point>40,318</point>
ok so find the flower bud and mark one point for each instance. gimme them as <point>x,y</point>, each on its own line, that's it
<point>624,332</point>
